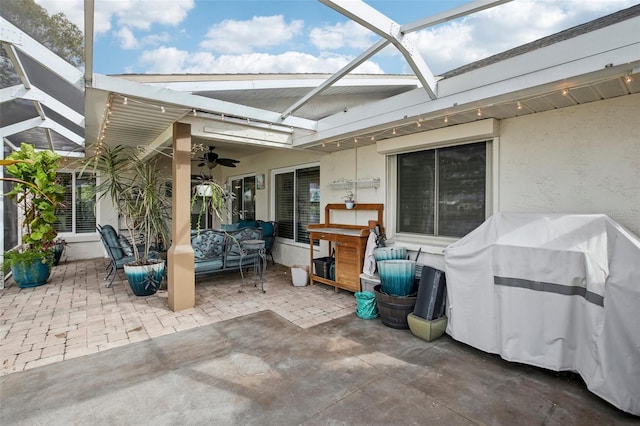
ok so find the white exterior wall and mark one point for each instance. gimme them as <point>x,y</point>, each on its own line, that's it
<point>583,159</point>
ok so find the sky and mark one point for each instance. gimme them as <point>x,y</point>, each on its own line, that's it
<point>305,36</point>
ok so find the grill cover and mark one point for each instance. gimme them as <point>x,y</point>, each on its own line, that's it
<point>555,291</point>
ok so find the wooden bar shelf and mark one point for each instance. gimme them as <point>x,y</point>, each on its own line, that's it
<point>349,242</point>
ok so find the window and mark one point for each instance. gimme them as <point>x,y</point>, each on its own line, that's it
<point>297,201</point>
<point>244,202</point>
<point>442,192</point>
<point>78,215</point>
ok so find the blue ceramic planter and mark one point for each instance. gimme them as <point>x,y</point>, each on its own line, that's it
<point>397,276</point>
<point>31,274</point>
<point>145,280</point>
<point>390,253</point>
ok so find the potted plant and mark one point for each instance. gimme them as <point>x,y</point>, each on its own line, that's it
<point>137,188</point>
<point>37,194</point>
<point>349,200</point>
<point>209,195</point>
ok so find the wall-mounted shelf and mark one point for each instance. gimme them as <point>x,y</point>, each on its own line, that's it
<point>357,183</point>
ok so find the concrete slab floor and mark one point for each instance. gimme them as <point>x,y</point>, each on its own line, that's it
<point>262,369</point>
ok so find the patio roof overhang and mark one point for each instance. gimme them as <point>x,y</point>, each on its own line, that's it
<point>593,63</point>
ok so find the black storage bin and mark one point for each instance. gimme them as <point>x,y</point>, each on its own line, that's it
<point>432,294</point>
<point>323,266</point>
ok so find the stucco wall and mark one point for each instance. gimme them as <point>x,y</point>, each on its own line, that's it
<point>584,159</point>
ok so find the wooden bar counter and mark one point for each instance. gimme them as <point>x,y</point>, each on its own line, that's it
<point>349,241</point>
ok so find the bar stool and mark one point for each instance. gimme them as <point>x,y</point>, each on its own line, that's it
<point>252,248</point>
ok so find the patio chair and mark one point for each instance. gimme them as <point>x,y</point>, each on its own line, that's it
<point>119,250</point>
<point>269,233</point>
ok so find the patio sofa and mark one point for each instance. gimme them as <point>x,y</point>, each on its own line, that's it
<point>220,250</point>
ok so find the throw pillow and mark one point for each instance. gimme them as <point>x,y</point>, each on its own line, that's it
<point>267,229</point>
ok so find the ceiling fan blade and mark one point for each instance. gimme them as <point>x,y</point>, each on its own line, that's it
<point>227,162</point>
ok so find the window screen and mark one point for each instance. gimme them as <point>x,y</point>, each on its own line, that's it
<point>297,202</point>
<point>442,191</point>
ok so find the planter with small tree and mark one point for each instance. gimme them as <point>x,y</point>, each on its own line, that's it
<point>37,194</point>
<point>138,190</point>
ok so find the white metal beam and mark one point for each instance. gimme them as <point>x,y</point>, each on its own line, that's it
<point>12,129</point>
<point>337,76</point>
<point>234,132</point>
<point>9,33</point>
<point>170,97</point>
<point>17,64</point>
<point>256,83</point>
<point>63,131</point>
<point>387,28</point>
<point>89,17</point>
<point>451,14</point>
<point>576,61</point>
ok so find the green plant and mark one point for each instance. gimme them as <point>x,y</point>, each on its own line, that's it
<point>37,194</point>
<point>348,197</point>
<point>210,196</point>
<point>137,188</point>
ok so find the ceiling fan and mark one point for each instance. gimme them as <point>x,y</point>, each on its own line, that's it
<point>211,160</point>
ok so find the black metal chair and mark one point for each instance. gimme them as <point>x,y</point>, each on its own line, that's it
<point>269,234</point>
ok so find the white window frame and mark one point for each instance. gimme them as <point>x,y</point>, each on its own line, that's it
<point>229,181</point>
<point>74,174</point>
<point>272,197</point>
<point>481,131</point>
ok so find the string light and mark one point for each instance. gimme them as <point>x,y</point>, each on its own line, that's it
<point>479,113</point>
<point>373,138</point>
<point>418,124</point>
<point>355,140</point>
<point>323,145</point>
<point>162,110</point>
<point>565,92</point>
<point>195,113</point>
<point>628,79</point>
<point>338,144</point>
<point>394,131</point>
<point>519,106</point>
<point>446,119</point>
<point>125,101</point>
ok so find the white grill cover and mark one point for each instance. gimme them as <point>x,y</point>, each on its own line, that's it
<point>555,291</point>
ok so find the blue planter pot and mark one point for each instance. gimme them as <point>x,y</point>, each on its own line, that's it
<point>397,276</point>
<point>145,280</point>
<point>31,274</point>
<point>58,249</point>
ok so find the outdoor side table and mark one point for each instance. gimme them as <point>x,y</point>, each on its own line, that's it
<point>249,248</point>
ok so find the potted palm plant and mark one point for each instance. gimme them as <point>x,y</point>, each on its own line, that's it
<point>138,190</point>
<point>37,194</point>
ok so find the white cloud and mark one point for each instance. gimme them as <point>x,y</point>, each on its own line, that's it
<point>495,30</point>
<point>167,60</point>
<point>231,36</point>
<point>72,9</point>
<point>348,34</point>
<point>127,40</point>
<point>140,14</point>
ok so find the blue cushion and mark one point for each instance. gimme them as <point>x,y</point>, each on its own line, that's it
<point>267,228</point>
<point>247,224</point>
<point>229,227</point>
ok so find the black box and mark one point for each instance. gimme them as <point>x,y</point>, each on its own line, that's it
<point>323,266</point>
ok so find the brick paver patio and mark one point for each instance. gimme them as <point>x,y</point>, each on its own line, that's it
<point>74,314</point>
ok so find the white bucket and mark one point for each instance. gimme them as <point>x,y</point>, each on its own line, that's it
<point>300,275</point>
